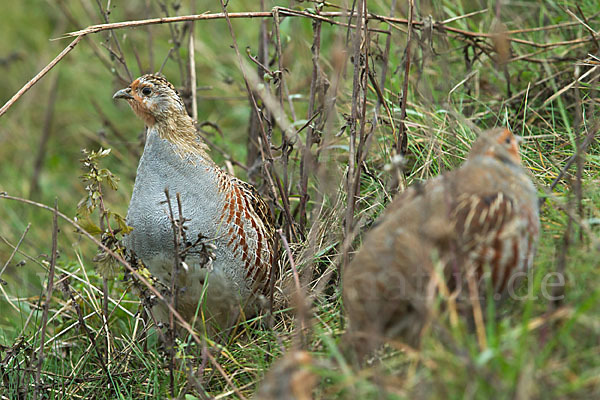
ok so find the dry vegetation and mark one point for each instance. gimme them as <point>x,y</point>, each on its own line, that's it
<point>329,108</point>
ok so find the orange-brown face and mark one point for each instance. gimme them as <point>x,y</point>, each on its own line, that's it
<point>139,105</point>
<point>152,98</point>
<point>507,140</point>
<point>499,143</point>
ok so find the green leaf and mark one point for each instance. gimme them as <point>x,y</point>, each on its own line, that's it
<point>90,227</point>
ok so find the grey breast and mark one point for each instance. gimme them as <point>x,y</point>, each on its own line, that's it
<point>160,168</point>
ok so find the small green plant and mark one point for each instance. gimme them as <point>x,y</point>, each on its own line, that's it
<point>94,178</point>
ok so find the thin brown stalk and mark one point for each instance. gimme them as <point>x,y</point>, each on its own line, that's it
<point>143,280</point>
<point>46,306</point>
<point>97,52</point>
<point>173,29</point>
<point>192,65</point>
<point>148,12</point>
<point>561,263</point>
<point>326,17</point>
<point>584,23</point>
<point>119,55</point>
<point>253,153</point>
<point>46,132</point>
<point>88,333</point>
<point>283,89</point>
<point>355,115</point>
<point>138,60</point>
<point>116,256</point>
<point>225,376</point>
<point>550,27</point>
<point>476,310</point>
<point>307,158</point>
<point>266,146</point>
<point>300,295</point>
<point>105,316</point>
<point>577,185</point>
<point>363,138</point>
<point>162,66</point>
<point>15,249</point>
<point>401,145</point>
<point>286,145</point>
<point>260,14</point>
<point>384,66</point>
<point>40,75</point>
<point>589,138</point>
<point>174,287</point>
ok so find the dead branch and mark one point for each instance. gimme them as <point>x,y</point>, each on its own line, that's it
<point>40,75</point>
<point>46,307</point>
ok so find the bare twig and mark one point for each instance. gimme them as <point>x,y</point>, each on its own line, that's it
<point>47,130</point>
<point>384,67</point>
<point>135,273</point>
<point>174,288</point>
<point>103,58</point>
<point>119,56</point>
<point>46,306</point>
<point>326,17</point>
<point>300,296</point>
<point>266,145</point>
<point>40,75</point>
<point>148,11</point>
<point>283,89</point>
<point>589,138</point>
<point>357,89</point>
<point>192,66</point>
<point>401,141</point>
<point>116,256</point>
<point>174,31</point>
<point>307,158</point>
<point>15,249</point>
<point>87,331</point>
<point>286,144</point>
<point>260,14</point>
<point>253,142</point>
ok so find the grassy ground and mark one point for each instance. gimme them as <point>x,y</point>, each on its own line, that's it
<point>459,81</point>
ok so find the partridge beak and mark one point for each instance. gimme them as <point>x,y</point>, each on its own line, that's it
<point>123,94</point>
<point>519,139</point>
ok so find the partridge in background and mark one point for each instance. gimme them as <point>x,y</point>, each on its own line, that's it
<point>289,378</point>
<point>484,215</point>
<point>227,212</point>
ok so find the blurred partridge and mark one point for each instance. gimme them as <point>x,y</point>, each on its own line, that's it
<point>289,378</point>
<point>225,211</point>
<point>482,216</point>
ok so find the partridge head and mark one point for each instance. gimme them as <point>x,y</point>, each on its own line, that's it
<point>153,99</point>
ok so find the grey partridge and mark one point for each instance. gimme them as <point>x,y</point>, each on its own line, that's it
<point>227,212</point>
<point>481,216</point>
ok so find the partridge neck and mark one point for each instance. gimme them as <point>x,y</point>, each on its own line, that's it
<point>179,129</point>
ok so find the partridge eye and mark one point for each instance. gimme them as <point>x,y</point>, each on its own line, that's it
<point>146,91</point>
<point>507,140</point>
